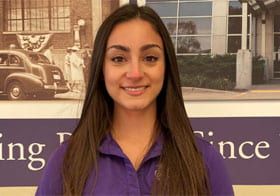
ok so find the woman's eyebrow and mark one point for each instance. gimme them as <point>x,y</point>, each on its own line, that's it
<point>148,46</point>
<point>119,47</point>
<point>126,49</point>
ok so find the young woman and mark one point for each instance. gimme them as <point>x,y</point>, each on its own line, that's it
<point>134,137</point>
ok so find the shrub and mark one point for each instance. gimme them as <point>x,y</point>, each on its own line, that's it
<point>215,72</point>
<point>204,71</point>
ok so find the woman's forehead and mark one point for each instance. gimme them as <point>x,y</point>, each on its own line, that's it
<point>134,32</point>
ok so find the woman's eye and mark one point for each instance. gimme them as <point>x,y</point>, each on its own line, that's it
<point>151,58</point>
<point>118,59</point>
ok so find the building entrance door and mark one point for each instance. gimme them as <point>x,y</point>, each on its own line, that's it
<point>276,51</point>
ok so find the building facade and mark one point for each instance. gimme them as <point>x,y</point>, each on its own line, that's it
<point>38,24</point>
<point>215,27</point>
<point>196,26</point>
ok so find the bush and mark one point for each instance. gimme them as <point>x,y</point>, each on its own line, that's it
<point>215,72</point>
<point>204,71</point>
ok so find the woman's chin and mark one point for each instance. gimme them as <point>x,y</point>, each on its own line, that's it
<point>137,107</point>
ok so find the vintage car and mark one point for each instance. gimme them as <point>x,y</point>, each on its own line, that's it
<point>25,75</point>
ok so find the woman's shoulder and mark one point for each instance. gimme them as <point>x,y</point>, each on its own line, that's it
<point>56,158</point>
<point>210,155</point>
<point>216,168</point>
<point>205,147</point>
<point>58,154</point>
<point>51,180</point>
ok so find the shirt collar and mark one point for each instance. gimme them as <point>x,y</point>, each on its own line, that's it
<point>110,147</point>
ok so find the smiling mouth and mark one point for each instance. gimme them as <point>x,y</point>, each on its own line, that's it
<point>134,89</point>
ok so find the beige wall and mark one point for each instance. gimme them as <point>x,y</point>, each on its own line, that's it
<point>239,190</point>
<point>96,15</point>
<point>100,10</point>
<point>269,37</point>
<point>123,2</point>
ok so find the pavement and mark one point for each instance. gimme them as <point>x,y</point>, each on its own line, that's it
<point>270,90</point>
<point>76,95</point>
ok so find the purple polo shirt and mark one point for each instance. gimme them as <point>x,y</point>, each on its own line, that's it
<point>116,175</point>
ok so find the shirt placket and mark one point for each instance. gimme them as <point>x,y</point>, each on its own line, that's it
<point>134,184</point>
<point>133,187</point>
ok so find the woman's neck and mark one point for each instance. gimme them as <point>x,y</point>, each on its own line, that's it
<point>134,124</point>
<point>135,132</point>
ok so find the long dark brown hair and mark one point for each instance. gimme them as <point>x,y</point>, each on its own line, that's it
<point>182,171</point>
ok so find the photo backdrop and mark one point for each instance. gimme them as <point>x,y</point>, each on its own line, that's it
<point>246,133</point>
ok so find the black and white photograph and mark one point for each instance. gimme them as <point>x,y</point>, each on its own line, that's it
<point>45,48</point>
<point>226,49</point>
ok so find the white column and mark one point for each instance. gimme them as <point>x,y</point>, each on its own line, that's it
<point>244,56</point>
<point>123,2</point>
<point>244,25</point>
<point>219,26</point>
<point>263,42</point>
<point>263,46</point>
<point>243,69</point>
<point>77,35</point>
<point>96,6</point>
<point>141,2</point>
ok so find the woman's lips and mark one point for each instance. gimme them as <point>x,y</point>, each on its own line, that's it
<point>135,91</point>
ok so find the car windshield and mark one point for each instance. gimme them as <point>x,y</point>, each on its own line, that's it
<point>39,58</point>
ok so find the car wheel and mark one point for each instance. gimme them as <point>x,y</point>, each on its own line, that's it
<point>16,91</point>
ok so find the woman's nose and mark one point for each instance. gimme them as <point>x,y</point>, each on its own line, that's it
<point>135,71</point>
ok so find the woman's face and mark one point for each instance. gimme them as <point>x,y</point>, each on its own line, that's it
<point>134,65</point>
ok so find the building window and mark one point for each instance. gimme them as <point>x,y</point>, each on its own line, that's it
<point>37,15</point>
<point>277,33</point>
<point>276,51</point>
<point>235,27</point>
<point>188,22</point>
